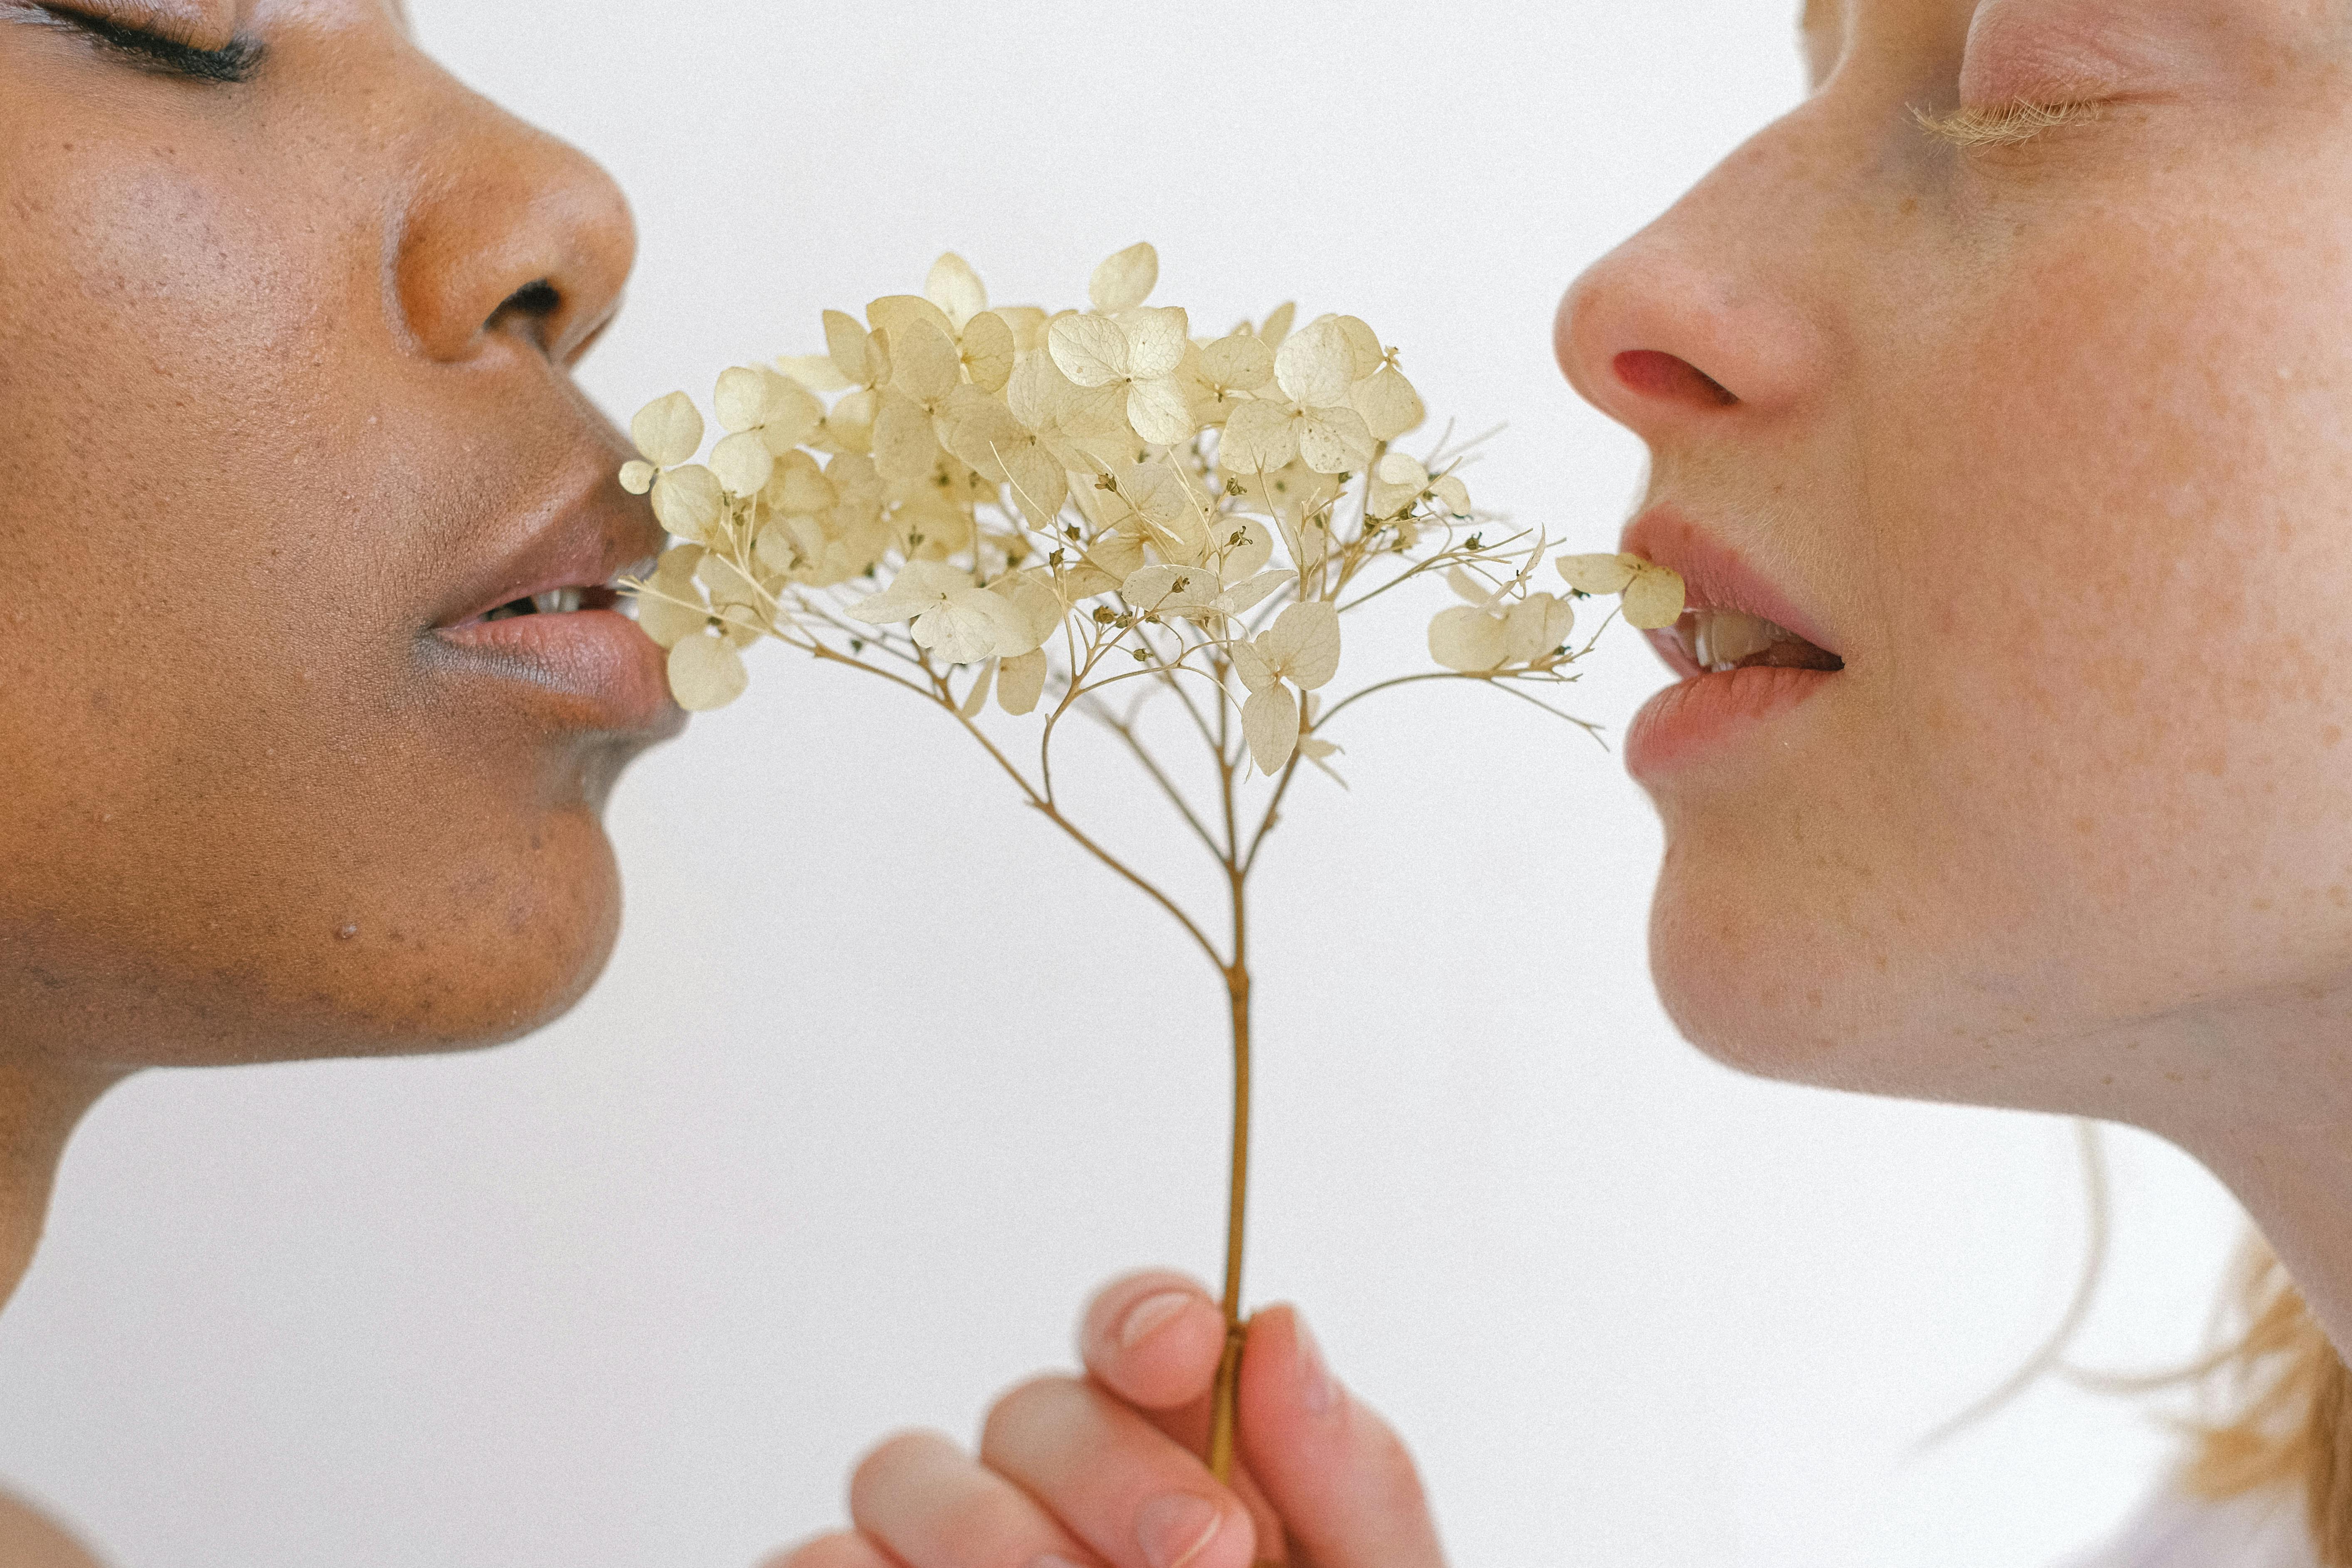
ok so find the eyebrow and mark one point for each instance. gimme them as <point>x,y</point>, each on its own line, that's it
<point>233,61</point>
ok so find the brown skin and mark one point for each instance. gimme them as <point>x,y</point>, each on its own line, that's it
<point>285,372</point>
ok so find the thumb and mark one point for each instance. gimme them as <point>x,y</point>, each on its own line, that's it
<point>1335,1472</point>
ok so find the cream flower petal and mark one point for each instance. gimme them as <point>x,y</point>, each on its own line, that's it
<point>1303,643</point>
<point>1365,354</point>
<point>1259,439</point>
<point>892,314</point>
<point>1597,573</point>
<point>667,431</point>
<point>928,366</point>
<point>742,463</point>
<point>976,698</point>
<point>1270,724</point>
<point>1538,626</point>
<point>1020,682</point>
<point>1125,280</point>
<point>1314,367</point>
<point>1468,640</point>
<point>1654,599</point>
<point>1160,412</point>
<point>742,400</point>
<point>791,414</point>
<point>1388,403</point>
<point>967,626</point>
<point>988,350</point>
<point>1251,669</point>
<point>844,341</point>
<point>1242,361</point>
<point>919,585</point>
<point>1246,550</point>
<point>1091,349</point>
<point>688,501</point>
<point>815,372</point>
<point>956,290</point>
<point>704,672</point>
<point>1156,340</point>
<point>1334,440</point>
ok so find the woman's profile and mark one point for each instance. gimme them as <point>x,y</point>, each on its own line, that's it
<point>307,724</point>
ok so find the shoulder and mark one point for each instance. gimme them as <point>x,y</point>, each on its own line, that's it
<point>2177,1529</point>
<point>29,1539</point>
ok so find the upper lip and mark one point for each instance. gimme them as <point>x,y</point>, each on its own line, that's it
<point>584,536</point>
<point>1715,575</point>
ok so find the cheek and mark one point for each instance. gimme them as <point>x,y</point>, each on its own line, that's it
<point>2117,592</point>
<point>240,824</point>
<point>2094,769</point>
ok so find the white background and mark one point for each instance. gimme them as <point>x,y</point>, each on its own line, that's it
<point>884,1076</point>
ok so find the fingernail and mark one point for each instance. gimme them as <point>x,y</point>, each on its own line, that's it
<point>1172,1530</point>
<point>1316,1392</point>
<point>1149,1314</point>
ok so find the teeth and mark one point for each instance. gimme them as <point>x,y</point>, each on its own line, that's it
<point>558,602</point>
<point>1717,640</point>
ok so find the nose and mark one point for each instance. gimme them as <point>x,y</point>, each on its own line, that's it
<point>513,234</point>
<point>1702,319</point>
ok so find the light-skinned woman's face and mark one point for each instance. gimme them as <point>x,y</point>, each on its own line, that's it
<point>287,322</point>
<point>2050,441</point>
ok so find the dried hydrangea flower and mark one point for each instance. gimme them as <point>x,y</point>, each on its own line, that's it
<point>1096,513</point>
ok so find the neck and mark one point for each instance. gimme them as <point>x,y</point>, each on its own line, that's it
<point>2263,1098</point>
<point>2297,1184</point>
<point>39,1105</point>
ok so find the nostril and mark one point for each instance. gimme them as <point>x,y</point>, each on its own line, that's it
<point>536,301</point>
<point>1655,375</point>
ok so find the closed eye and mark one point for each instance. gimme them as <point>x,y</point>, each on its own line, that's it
<point>2004,125</point>
<point>233,61</point>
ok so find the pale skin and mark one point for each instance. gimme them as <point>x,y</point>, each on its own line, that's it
<point>2048,439</point>
<point>2050,442</point>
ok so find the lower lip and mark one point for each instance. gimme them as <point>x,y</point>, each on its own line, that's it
<point>596,667</point>
<point>1704,714</point>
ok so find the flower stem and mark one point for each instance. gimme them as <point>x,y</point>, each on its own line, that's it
<point>1225,1401</point>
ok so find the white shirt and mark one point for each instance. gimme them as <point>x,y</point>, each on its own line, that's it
<point>2174,1530</point>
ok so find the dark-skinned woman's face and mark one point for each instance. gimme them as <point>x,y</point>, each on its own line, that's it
<point>287,323</point>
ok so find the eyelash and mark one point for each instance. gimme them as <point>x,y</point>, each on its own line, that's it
<point>2005,125</point>
<point>233,62</point>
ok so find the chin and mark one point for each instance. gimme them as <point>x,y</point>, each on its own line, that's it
<point>472,941</point>
<point>1774,970</point>
<point>488,951</point>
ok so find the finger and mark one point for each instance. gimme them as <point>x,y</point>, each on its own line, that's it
<point>1154,1339</point>
<point>842,1551</point>
<point>1337,1473</point>
<point>1119,1483</point>
<point>933,1506</point>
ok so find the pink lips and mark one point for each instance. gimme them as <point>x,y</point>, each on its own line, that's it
<point>592,667</point>
<point>1705,713</point>
<point>599,666</point>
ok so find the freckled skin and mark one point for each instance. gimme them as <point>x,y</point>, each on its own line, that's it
<point>2055,439</point>
<point>2054,442</point>
<point>263,410</point>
